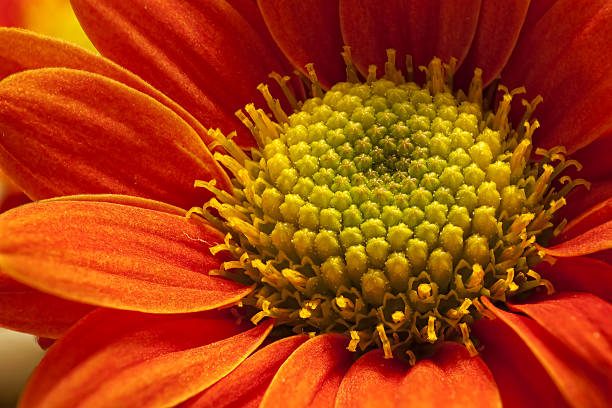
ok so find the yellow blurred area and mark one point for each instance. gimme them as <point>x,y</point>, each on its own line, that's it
<point>19,352</point>
<point>54,18</point>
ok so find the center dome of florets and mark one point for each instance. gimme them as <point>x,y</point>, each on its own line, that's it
<point>385,209</point>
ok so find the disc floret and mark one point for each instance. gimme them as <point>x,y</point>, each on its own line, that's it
<point>384,209</point>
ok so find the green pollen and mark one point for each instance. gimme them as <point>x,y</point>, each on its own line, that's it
<point>385,209</point>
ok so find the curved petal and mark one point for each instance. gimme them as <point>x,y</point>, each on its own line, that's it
<point>594,240</point>
<point>22,50</point>
<point>245,386</point>
<point>67,132</point>
<point>521,379</point>
<point>499,26</point>
<point>424,29</point>
<point>27,310</point>
<point>308,31</point>
<point>566,58</point>
<point>451,378</point>
<point>202,54</point>
<point>372,381</point>
<point>132,201</point>
<point>579,274</point>
<point>114,358</point>
<point>578,382</point>
<point>586,221</point>
<point>115,255</point>
<point>311,375</point>
<point>579,200</point>
<point>581,321</point>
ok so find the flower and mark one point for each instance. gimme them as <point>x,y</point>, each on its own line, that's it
<point>108,264</point>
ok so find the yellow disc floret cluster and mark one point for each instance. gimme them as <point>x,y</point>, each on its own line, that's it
<point>384,209</point>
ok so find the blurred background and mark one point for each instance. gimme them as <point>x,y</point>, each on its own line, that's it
<point>19,353</point>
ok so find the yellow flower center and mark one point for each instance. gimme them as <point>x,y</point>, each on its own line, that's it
<point>384,209</point>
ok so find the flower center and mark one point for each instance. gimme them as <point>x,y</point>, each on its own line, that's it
<point>384,209</point>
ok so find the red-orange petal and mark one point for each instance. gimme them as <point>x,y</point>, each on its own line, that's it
<point>581,321</point>
<point>450,378</point>
<point>311,376</point>
<point>22,50</point>
<point>113,358</point>
<point>594,240</point>
<point>9,13</point>
<point>521,379</point>
<point>65,131</point>
<point>245,386</point>
<point>579,383</point>
<point>308,31</point>
<point>372,381</point>
<point>203,55</point>
<point>586,221</point>
<point>28,310</point>
<point>424,29</point>
<point>580,200</point>
<point>579,274</point>
<point>595,160</point>
<point>565,57</point>
<point>499,26</point>
<point>115,255</point>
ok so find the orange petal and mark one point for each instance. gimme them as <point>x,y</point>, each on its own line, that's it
<point>28,310</point>
<point>521,379</point>
<point>499,26</point>
<point>311,375</point>
<point>72,132</point>
<point>580,385</point>
<point>372,381</point>
<point>115,255</point>
<point>451,378</point>
<point>9,13</point>
<point>139,202</point>
<point>579,274</point>
<point>113,358</point>
<point>581,321</point>
<point>201,55</point>
<point>424,29</point>
<point>566,57</point>
<point>22,50</point>
<point>594,240</point>
<point>308,31</point>
<point>245,386</point>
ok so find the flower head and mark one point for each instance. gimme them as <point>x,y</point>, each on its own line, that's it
<point>393,227</point>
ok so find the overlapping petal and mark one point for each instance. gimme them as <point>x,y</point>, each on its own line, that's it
<point>311,376</point>
<point>579,382</point>
<point>589,219</point>
<point>113,358</point>
<point>499,26</point>
<point>594,240</point>
<point>115,255</point>
<point>451,378</point>
<point>22,50</point>
<point>587,334</point>
<point>27,310</point>
<point>176,46</point>
<point>565,57</point>
<point>579,274</point>
<point>67,132</point>
<point>308,31</point>
<point>424,29</point>
<point>246,385</point>
<point>521,379</point>
<point>372,381</point>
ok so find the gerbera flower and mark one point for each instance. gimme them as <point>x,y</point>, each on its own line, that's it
<point>394,242</point>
